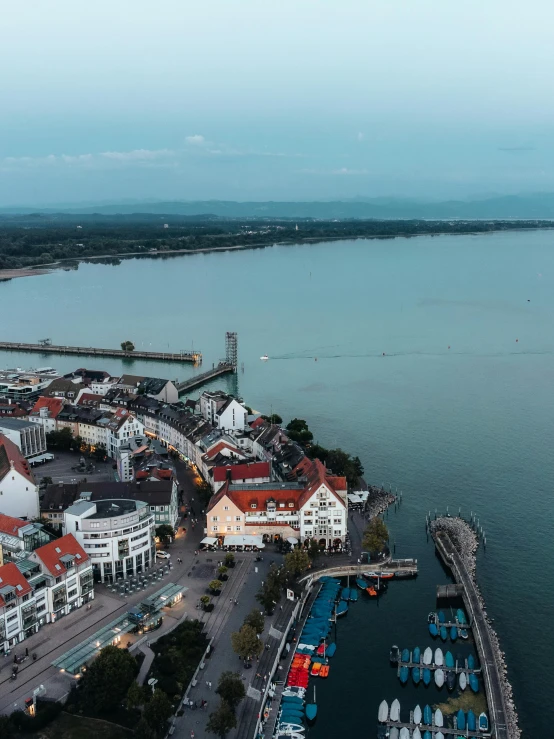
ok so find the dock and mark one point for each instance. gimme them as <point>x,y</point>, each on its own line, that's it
<point>457,669</point>
<point>44,347</point>
<point>446,731</point>
<point>481,633</point>
<point>223,368</point>
<point>402,568</point>
<point>446,592</point>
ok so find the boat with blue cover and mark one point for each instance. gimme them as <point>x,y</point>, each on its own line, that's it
<point>428,715</point>
<point>462,633</point>
<point>416,656</point>
<point>331,649</point>
<point>342,608</point>
<point>461,720</point>
<point>292,699</point>
<point>345,594</point>
<point>449,659</point>
<point>353,594</point>
<point>311,709</point>
<point>483,722</point>
<point>471,721</point>
<point>361,583</point>
<point>441,618</point>
<point>471,662</point>
<point>473,682</point>
<point>426,676</point>
<point>433,630</point>
<point>405,655</point>
<point>453,633</point>
<point>443,633</point>
<point>291,717</point>
<point>404,674</point>
<point>461,617</point>
<point>427,734</point>
<point>416,675</point>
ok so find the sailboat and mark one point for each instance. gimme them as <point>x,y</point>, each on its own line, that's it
<point>383,714</point>
<point>417,714</point>
<point>395,710</point>
<point>311,709</point>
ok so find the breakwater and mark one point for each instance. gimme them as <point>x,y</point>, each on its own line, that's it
<point>457,544</point>
<point>92,351</point>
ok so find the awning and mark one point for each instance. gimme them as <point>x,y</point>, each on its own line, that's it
<point>210,540</point>
<point>41,458</point>
<point>244,541</point>
<point>292,540</point>
<point>353,498</point>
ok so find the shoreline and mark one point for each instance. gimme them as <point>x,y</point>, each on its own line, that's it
<point>43,269</point>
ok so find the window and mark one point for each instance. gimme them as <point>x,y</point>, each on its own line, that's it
<point>237,528</point>
<point>72,594</point>
<point>226,508</point>
<point>229,528</point>
<point>228,518</point>
<point>281,505</point>
<point>214,528</point>
<point>291,505</point>
<point>237,518</point>
<point>253,505</point>
<point>215,518</point>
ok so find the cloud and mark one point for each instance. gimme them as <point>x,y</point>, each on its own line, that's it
<point>137,155</point>
<point>196,140</point>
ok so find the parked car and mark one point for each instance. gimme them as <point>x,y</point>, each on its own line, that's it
<point>163,555</point>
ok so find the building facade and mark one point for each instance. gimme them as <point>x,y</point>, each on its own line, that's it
<point>18,490</point>
<point>29,437</point>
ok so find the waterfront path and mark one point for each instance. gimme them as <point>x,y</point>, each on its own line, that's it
<point>487,654</point>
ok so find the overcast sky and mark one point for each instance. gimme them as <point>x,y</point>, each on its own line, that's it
<point>274,99</point>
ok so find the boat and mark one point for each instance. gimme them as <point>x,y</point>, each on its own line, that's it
<point>483,722</point>
<point>404,733</point>
<point>427,656</point>
<point>473,682</point>
<point>428,715</point>
<point>370,590</point>
<point>439,735</point>
<point>264,357</point>
<point>324,672</point>
<point>439,678</point>
<point>427,734</point>
<point>395,710</point>
<point>404,674</point>
<point>331,649</point>
<point>294,727</point>
<point>345,594</point>
<point>353,594</point>
<point>439,719</point>
<point>462,633</point>
<point>394,654</point>
<point>341,609</point>
<point>441,617</point>
<point>320,651</point>
<point>418,713</point>
<point>443,633</point>
<point>294,699</point>
<point>416,675</point>
<point>361,583</point>
<point>311,709</point>
<point>471,721</point>
<point>471,662</point>
<point>433,630</point>
<point>416,656</point>
<point>439,660</point>
<point>426,676</point>
<point>405,655</point>
<point>453,633</point>
<point>462,681</point>
<point>432,618</point>
<point>450,680</point>
<point>383,714</point>
<point>394,733</point>
<point>379,575</point>
<point>461,617</point>
<point>316,667</point>
<point>449,659</point>
<point>460,720</point>
<point>416,734</point>
<point>291,717</point>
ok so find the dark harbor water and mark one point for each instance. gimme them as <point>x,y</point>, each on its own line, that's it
<point>469,425</point>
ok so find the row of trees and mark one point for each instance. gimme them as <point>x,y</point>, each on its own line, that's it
<point>63,440</point>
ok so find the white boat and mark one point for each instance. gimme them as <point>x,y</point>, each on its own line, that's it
<point>439,678</point>
<point>427,656</point>
<point>416,734</point>
<point>404,733</point>
<point>395,710</point>
<point>439,735</point>
<point>383,711</point>
<point>439,659</point>
<point>439,719</point>
<point>417,715</point>
<point>394,733</point>
<point>291,728</point>
<point>462,681</point>
<point>264,357</point>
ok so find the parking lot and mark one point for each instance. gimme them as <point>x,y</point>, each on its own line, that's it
<point>65,468</point>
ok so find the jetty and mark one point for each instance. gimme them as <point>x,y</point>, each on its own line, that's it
<point>46,347</point>
<point>401,568</point>
<point>488,657</point>
<point>446,731</point>
<point>223,368</point>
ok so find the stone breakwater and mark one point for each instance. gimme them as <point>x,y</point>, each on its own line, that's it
<point>377,501</point>
<point>464,538</point>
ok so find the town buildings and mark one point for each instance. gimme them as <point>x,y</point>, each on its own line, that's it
<point>29,438</point>
<point>18,490</point>
<point>18,384</point>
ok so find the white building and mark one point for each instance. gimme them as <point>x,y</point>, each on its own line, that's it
<point>117,534</point>
<point>153,387</point>
<point>18,490</point>
<point>45,412</point>
<point>30,438</point>
<point>223,411</point>
<point>109,429</point>
<point>25,385</point>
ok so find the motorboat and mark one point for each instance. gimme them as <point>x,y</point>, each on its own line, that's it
<point>264,357</point>
<point>460,720</point>
<point>473,682</point>
<point>471,662</point>
<point>433,630</point>
<point>342,609</point>
<point>383,714</point>
<point>324,671</point>
<point>353,594</point>
<point>449,659</point>
<point>394,733</point>
<point>395,710</point>
<point>394,654</point>
<point>439,735</point>
<point>483,722</point>
<point>361,583</point>
<point>416,656</point>
<point>427,734</point>
<point>441,617</point>
<point>418,714</point>
<point>462,633</point>
<point>443,631</point>
<point>311,709</point>
<point>432,618</point>
<point>453,633</point>
<point>404,674</point>
<point>427,656</point>
<point>416,675</point>
<point>345,594</point>
<point>471,721</point>
<point>428,715</point>
<point>426,676</point>
<point>331,649</point>
<point>404,733</point>
<point>461,617</point>
<point>439,718</point>
<point>416,734</point>
<point>439,659</point>
<point>439,678</point>
<point>405,655</point>
<point>462,681</point>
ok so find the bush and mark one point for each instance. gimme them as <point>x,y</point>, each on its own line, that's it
<point>47,711</point>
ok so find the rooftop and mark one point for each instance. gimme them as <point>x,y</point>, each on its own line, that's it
<point>16,424</point>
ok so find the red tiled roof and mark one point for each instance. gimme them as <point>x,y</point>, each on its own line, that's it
<point>54,406</point>
<point>241,471</point>
<point>50,556</point>
<point>257,423</point>
<point>214,451</point>
<point>90,399</point>
<point>10,454</point>
<point>10,525</point>
<point>10,575</point>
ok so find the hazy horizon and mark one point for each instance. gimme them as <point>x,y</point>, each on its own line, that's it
<point>289,101</point>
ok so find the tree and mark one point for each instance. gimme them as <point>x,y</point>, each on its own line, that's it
<point>215,585</point>
<point>375,536</point>
<point>62,439</point>
<point>45,481</point>
<point>135,696</point>
<point>256,620</point>
<point>165,533</point>
<point>297,562</point>
<point>314,549</point>
<point>273,418</point>
<point>222,571</point>
<point>7,730</point>
<point>298,431</point>
<point>316,451</point>
<point>107,679</point>
<point>222,720</point>
<point>143,730</point>
<point>127,346</point>
<point>229,559</point>
<point>245,642</point>
<point>270,592</point>
<point>205,600</point>
<point>231,689</point>
<point>100,452</point>
<point>157,711</point>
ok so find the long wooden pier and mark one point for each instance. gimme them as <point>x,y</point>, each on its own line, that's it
<point>223,368</point>
<point>481,633</point>
<point>446,731</point>
<point>93,351</point>
<point>457,669</point>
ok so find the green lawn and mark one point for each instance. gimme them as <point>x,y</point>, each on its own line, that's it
<point>68,726</point>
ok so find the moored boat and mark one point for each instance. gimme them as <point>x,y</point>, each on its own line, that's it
<point>471,662</point>
<point>394,733</point>
<point>426,676</point>
<point>383,714</point>
<point>471,721</point>
<point>394,654</point>
<point>418,713</point>
<point>462,681</point>
<point>404,674</point>
<point>433,630</point>
<point>405,655</point>
<point>416,734</point>
<point>416,655</point>
<point>416,675</point>
<point>461,720</point>
<point>311,709</point>
<point>331,649</point>
<point>345,594</point>
<point>439,735</point>
<point>324,671</point>
<point>404,733</point>
<point>439,678</point>
<point>483,722</point>
<point>427,734</point>
<point>427,656</point>
<point>431,618</point>
<point>342,608</point>
<point>453,633</point>
<point>473,682</point>
<point>450,680</point>
<point>395,710</point>
<point>370,590</point>
<point>439,659</point>
<point>428,715</point>
<point>441,618</point>
<point>461,617</point>
<point>361,583</point>
<point>449,659</point>
<point>443,633</point>
<point>463,633</point>
<point>439,719</point>
<point>316,667</point>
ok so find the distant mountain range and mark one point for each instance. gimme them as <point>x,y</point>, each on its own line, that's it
<point>528,207</point>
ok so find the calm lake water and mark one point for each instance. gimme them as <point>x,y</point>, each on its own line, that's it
<point>457,413</point>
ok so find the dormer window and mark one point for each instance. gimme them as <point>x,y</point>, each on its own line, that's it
<point>253,505</point>
<point>291,505</point>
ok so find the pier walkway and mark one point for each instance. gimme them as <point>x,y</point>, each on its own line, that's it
<point>446,731</point>
<point>223,368</point>
<point>92,351</point>
<point>401,568</point>
<point>489,664</point>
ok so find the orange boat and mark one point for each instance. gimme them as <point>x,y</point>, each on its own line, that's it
<point>316,667</point>
<point>324,671</point>
<point>371,591</point>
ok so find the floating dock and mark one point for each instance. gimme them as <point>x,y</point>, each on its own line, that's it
<point>446,731</point>
<point>92,351</point>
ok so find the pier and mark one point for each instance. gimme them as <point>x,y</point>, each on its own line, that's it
<point>45,347</point>
<point>487,655</point>
<point>457,669</point>
<point>401,568</point>
<point>446,731</point>
<point>192,383</point>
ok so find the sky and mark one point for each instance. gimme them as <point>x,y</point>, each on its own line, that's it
<point>274,99</point>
